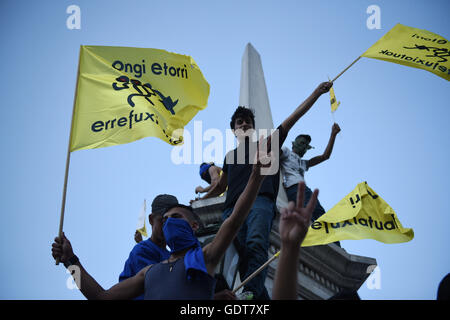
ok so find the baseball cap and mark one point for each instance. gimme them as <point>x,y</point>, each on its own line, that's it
<point>162,202</point>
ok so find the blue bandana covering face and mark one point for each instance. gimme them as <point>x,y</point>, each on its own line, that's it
<point>179,236</point>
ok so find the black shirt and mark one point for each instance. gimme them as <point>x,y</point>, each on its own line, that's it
<point>238,169</point>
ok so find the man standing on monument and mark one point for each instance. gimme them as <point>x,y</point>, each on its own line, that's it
<point>253,238</point>
<point>293,166</point>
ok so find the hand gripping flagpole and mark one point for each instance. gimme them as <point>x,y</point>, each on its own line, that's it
<point>254,274</point>
<point>66,175</point>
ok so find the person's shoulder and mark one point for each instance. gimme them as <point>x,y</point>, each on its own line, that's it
<point>144,245</point>
<point>229,156</point>
<point>285,150</point>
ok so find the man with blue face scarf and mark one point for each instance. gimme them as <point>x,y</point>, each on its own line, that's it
<point>152,250</point>
<point>189,271</point>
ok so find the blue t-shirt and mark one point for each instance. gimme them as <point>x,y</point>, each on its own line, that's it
<point>143,254</point>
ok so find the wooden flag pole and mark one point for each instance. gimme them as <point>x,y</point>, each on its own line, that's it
<point>66,175</point>
<point>345,69</point>
<point>254,274</point>
<point>63,202</point>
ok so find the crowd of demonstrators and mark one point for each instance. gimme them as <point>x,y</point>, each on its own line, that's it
<point>153,250</point>
<point>187,271</point>
<point>253,239</point>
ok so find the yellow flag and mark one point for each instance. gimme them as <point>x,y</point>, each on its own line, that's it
<point>334,103</point>
<point>362,214</point>
<point>415,48</point>
<point>125,94</point>
<point>141,221</point>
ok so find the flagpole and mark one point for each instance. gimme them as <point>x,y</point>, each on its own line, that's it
<point>345,69</point>
<point>254,274</point>
<point>66,174</point>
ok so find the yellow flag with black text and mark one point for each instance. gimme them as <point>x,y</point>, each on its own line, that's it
<point>334,103</point>
<point>362,214</point>
<point>415,48</point>
<point>125,94</point>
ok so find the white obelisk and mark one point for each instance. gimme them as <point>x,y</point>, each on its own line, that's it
<point>253,95</point>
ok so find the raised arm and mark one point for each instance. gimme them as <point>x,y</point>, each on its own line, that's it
<point>294,224</point>
<point>89,287</point>
<point>305,106</point>
<point>327,153</point>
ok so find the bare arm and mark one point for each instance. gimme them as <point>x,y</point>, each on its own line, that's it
<point>214,172</point>
<point>305,106</point>
<point>327,153</point>
<point>294,223</point>
<point>218,188</point>
<point>89,287</point>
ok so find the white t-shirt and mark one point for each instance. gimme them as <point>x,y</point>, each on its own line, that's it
<point>292,167</point>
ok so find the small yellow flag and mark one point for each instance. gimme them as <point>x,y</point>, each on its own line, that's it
<point>125,94</point>
<point>415,48</point>
<point>362,214</point>
<point>141,221</point>
<point>334,103</point>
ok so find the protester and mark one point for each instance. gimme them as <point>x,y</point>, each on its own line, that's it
<point>253,239</point>
<point>152,250</point>
<point>189,271</point>
<point>210,173</point>
<point>293,166</point>
<point>294,224</point>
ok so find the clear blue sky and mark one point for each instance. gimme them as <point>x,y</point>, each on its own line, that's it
<point>394,122</point>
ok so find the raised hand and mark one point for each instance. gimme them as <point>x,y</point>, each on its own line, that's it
<point>295,219</point>
<point>335,129</point>
<point>324,87</point>
<point>263,156</point>
<point>62,249</point>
